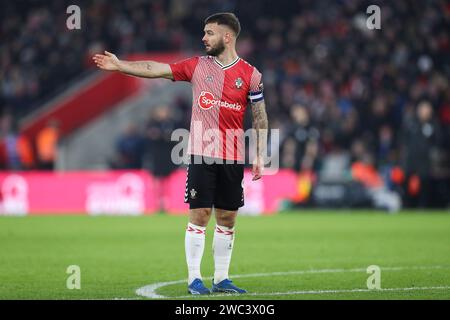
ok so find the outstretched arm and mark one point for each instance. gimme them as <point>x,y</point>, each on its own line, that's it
<point>260,124</point>
<point>145,69</point>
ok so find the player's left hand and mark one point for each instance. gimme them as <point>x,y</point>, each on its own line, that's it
<point>258,167</point>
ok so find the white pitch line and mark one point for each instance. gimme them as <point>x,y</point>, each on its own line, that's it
<point>149,291</point>
<point>324,291</point>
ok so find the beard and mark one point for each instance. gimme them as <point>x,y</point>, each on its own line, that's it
<point>218,49</point>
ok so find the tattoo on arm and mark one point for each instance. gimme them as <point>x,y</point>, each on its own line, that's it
<point>146,69</point>
<point>260,124</point>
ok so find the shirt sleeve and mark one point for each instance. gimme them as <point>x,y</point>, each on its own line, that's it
<point>256,87</point>
<point>184,69</point>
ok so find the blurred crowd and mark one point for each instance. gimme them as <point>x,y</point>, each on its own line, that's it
<point>379,99</point>
<point>149,146</point>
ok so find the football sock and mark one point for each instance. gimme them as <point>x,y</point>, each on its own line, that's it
<point>222,249</point>
<point>194,244</point>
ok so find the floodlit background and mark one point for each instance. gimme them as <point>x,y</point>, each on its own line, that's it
<point>364,120</point>
<point>364,114</point>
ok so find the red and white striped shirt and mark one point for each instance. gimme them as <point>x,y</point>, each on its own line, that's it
<point>220,95</point>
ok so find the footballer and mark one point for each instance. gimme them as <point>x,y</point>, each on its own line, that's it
<point>223,85</point>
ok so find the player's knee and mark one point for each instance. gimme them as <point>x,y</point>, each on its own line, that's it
<point>226,219</point>
<point>200,217</point>
<point>228,222</point>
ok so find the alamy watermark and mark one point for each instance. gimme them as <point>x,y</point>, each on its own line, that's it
<point>74,20</point>
<point>374,280</point>
<point>374,20</point>
<point>74,279</point>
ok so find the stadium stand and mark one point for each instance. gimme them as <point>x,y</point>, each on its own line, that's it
<point>343,96</point>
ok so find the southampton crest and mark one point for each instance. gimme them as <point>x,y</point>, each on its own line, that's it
<point>238,83</point>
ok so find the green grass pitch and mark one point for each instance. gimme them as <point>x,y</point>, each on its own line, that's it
<point>292,255</point>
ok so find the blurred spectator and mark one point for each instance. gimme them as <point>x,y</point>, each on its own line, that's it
<point>386,146</point>
<point>288,154</point>
<point>421,138</point>
<point>347,130</point>
<point>47,145</point>
<point>365,172</point>
<point>299,149</point>
<point>129,149</point>
<point>158,134</point>
<point>15,149</point>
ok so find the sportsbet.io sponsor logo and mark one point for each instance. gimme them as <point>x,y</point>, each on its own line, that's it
<point>206,101</point>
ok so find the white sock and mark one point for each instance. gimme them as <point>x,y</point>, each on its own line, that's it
<point>222,249</point>
<point>194,244</point>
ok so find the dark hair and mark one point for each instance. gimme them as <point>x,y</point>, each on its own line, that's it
<point>227,18</point>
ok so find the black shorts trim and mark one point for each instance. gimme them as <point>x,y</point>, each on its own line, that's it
<point>227,208</point>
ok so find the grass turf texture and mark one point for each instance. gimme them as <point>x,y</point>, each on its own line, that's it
<point>117,255</point>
